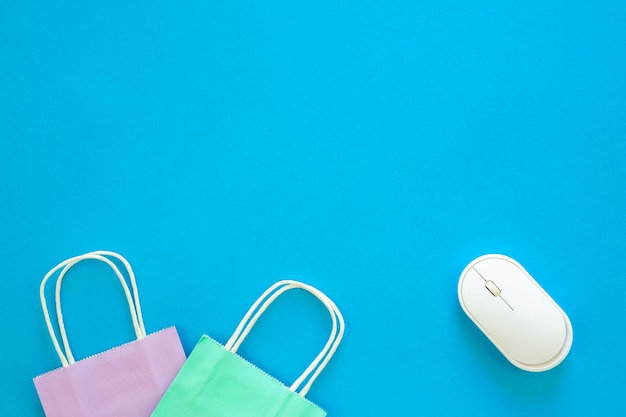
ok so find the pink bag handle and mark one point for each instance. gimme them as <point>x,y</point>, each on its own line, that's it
<point>263,302</point>
<point>66,356</point>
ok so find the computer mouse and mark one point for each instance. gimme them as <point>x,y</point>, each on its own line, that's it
<point>515,313</point>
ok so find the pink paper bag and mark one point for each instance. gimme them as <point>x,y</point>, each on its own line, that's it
<point>126,381</point>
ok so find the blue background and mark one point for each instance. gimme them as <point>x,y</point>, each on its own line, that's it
<point>371,149</point>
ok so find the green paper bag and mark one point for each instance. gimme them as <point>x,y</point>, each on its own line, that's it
<point>216,382</point>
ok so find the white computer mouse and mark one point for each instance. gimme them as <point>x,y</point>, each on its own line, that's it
<point>515,313</point>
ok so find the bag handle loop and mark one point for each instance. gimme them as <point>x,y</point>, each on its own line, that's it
<point>263,302</point>
<point>134,306</point>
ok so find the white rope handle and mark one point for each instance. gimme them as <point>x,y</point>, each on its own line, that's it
<point>66,357</point>
<point>264,301</point>
<point>135,307</point>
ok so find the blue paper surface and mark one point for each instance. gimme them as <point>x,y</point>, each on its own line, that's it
<point>371,149</point>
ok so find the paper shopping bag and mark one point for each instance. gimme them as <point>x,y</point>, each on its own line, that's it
<point>216,382</point>
<point>126,381</point>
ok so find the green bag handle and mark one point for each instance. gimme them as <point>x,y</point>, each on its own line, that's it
<point>66,356</point>
<point>264,301</point>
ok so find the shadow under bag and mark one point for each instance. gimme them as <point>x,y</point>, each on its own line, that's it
<point>126,381</point>
<point>216,382</point>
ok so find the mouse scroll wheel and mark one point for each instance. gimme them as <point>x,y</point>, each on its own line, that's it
<point>493,288</point>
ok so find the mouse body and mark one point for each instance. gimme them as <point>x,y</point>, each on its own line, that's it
<point>515,313</point>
